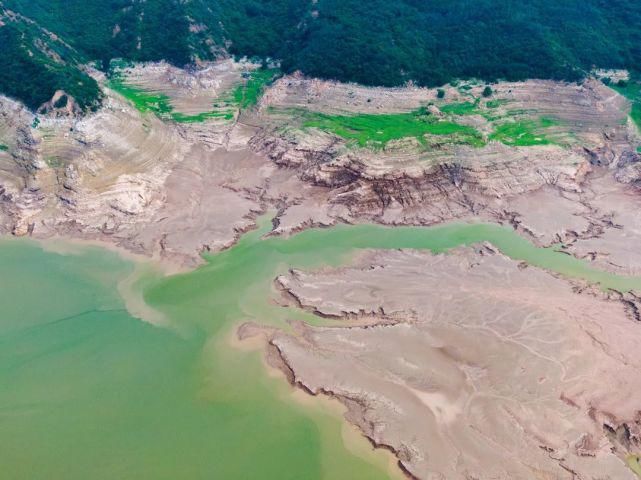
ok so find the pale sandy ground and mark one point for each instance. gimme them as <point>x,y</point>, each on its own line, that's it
<point>252,337</point>
<point>618,248</point>
<point>492,371</point>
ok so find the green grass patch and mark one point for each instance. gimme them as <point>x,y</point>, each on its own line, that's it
<point>474,108</point>
<point>375,131</point>
<point>495,103</point>
<point>244,96</point>
<point>248,94</point>
<point>632,91</point>
<point>464,108</point>
<point>144,101</point>
<point>201,117</point>
<point>160,104</point>
<point>524,133</point>
<point>3,147</point>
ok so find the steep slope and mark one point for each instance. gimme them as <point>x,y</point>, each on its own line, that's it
<point>431,42</point>
<point>103,29</point>
<point>36,64</point>
<point>374,43</point>
<point>170,141</point>
<point>46,43</point>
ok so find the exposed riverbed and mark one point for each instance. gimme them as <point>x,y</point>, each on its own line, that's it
<point>89,391</point>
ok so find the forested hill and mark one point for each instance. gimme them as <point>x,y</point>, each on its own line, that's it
<point>376,42</point>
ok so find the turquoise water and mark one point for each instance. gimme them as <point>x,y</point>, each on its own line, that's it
<point>89,392</point>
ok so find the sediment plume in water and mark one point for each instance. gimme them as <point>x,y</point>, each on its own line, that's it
<point>154,401</point>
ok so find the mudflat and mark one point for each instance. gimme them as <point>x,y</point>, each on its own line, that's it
<point>478,366</point>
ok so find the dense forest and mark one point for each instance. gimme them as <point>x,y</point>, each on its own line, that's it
<point>34,64</point>
<point>375,42</point>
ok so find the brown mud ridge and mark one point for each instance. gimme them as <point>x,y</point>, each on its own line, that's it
<point>465,365</point>
<point>496,371</point>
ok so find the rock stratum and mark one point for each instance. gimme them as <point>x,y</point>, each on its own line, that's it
<point>465,365</point>
<point>133,178</point>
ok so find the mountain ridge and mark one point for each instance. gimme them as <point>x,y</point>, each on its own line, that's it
<point>428,43</point>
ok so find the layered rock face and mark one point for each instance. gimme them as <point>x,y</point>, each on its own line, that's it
<point>18,160</point>
<point>578,189</point>
<point>471,366</point>
<point>133,178</point>
<point>127,178</point>
<point>447,180</point>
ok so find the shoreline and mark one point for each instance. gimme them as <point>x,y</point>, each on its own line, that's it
<point>354,439</point>
<point>129,289</point>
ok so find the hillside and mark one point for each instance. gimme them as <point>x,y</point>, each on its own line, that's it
<point>36,63</point>
<point>429,42</point>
